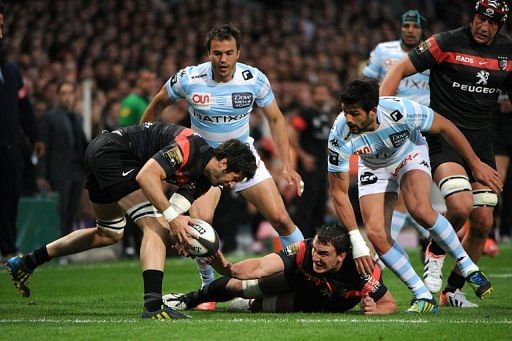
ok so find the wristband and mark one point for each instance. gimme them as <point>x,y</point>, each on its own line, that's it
<point>359,247</point>
<point>170,214</point>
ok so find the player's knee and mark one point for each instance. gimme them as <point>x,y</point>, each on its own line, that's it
<point>251,288</point>
<point>145,209</point>
<point>234,286</point>
<point>481,225</point>
<point>484,198</point>
<point>422,214</point>
<point>112,229</point>
<point>454,184</point>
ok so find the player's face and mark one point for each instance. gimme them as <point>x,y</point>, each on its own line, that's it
<point>325,258</point>
<point>483,29</point>
<point>358,120</point>
<point>220,176</point>
<point>223,55</point>
<point>411,34</point>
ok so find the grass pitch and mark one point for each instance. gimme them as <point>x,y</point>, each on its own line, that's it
<point>104,301</point>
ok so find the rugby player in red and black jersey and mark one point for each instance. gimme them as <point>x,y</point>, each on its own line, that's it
<point>124,173</point>
<point>313,275</point>
<point>468,68</point>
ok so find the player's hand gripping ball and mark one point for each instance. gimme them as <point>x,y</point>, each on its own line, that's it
<point>207,242</point>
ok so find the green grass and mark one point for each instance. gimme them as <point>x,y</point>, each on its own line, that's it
<point>103,301</point>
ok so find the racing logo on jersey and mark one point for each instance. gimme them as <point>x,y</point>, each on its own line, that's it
<point>502,63</point>
<point>173,156</point>
<point>396,115</point>
<point>334,157</point>
<point>368,178</point>
<point>482,76</point>
<point>247,75</point>
<point>424,46</point>
<point>241,99</point>
<point>398,139</point>
<point>201,99</point>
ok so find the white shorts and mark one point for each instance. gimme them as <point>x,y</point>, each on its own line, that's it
<point>261,174</point>
<point>387,179</point>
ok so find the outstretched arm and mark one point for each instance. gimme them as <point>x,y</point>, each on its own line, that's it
<point>160,100</point>
<point>482,172</point>
<point>252,268</point>
<point>279,133</point>
<point>395,74</point>
<point>338,183</point>
<point>384,305</point>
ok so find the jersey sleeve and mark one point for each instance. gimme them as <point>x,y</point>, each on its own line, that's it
<point>176,85</point>
<point>425,55</point>
<point>264,93</point>
<point>419,117</point>
<point>293,255</point>
<point>170,158</point>
<point>374,67</point>
<point>373,285</point>
<point>338,159</point>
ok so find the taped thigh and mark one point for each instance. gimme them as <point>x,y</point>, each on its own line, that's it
<point>484,198</point>
<point>144,209</point>
<point>113,226</point>
<point>454,184</point>
<point>251,288</point>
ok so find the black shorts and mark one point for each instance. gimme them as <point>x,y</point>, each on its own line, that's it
<point>480,140</point>
<point>110,169</point>
<point>313,301</point>
<point>502,134</point>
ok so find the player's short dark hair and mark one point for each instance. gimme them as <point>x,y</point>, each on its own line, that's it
<point>334,234</point>
<point>223,32</point>
<point>363,93</point>
<point>239,157</point>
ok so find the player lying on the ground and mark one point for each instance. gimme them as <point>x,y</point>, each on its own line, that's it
<point>313,275</point>
<point>125,170</point>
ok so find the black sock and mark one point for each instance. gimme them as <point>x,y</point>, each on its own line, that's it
<point>436,249</point>
<point>455,281</point>
<point>153,289</point>
<point>36,258</point>
<point>214,292</point>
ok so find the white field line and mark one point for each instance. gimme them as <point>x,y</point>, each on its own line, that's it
<point>270,321</point>
<point>506,275</point>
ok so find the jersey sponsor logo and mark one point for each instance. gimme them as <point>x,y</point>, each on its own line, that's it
<point>398,139</point>
<point>464,59</point>
<point>403,163</point>
<point>174,79</point>
<point>364,150</point>
<point>334,157</point>
<point>502,63</point>
<point>414,84</point>
<point>396,115</point>
<point>482,76</point>
<point>199,76</point>
<point>424,46</point>
<point>173,156</point>
<point>218,119</point>
<point>247,75</point>
<point>368,178</point>
<point>201,99</point>
<point>241,99</point>
<point>474,88</point>
<point>372,284</point>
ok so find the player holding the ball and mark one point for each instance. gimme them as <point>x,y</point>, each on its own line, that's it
<point>124,170</point>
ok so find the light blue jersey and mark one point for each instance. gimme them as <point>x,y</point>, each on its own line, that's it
<point>386,54</point>
<point>400,122</point>
<point>220,111</point>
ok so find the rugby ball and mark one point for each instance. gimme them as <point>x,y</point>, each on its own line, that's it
<point>207,242</point>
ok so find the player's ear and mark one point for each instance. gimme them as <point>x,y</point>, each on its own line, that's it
<point>223,164</point>
<point>342,256</point>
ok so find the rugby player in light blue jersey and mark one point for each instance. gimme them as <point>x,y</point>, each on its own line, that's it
<point>414,87</point>
<point>221,94</point>
<point>386,134</point>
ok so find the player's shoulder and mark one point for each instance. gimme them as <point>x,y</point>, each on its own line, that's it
<point>392,107</point>
<point>248,73</point>
<point>388,46</point>
<point>503,39</point>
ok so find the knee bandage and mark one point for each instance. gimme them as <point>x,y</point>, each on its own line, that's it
<point>115,226</point>
<point>484,198</point>
<point>251,288</point>
<point>454,184</point>
<point>144,209</point>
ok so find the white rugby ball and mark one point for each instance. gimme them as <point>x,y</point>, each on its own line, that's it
<point>208,241</point>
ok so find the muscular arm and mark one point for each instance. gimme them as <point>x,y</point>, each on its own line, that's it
<point>385,305</point>
<point>252,268</point>
<point>339,183</point>
<point>279,133</point>
<point>481,171</point>
<point>394,75</point>
<point>161,99</point>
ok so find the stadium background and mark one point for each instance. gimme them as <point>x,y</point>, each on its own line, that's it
<point>296,43</point>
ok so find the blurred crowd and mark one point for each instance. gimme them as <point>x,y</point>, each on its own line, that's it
<point>298,44</point>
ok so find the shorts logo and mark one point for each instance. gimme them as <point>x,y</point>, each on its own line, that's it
<point>403,163</point>
<point>482,76</point>
<point>241,99</point>
<point>398,139</point>
<point>173,156</point>
<point>247,75</point>
<point>503,63</point>
<point>368,178</point>
<point>396,115</point>
<point>424,46</point>
<point>334,157</point>
<point>201,99</point>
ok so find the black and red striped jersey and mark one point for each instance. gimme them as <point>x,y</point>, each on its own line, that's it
<point>345,284</point>
<point>465,77</point>
<point>182,154</point>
